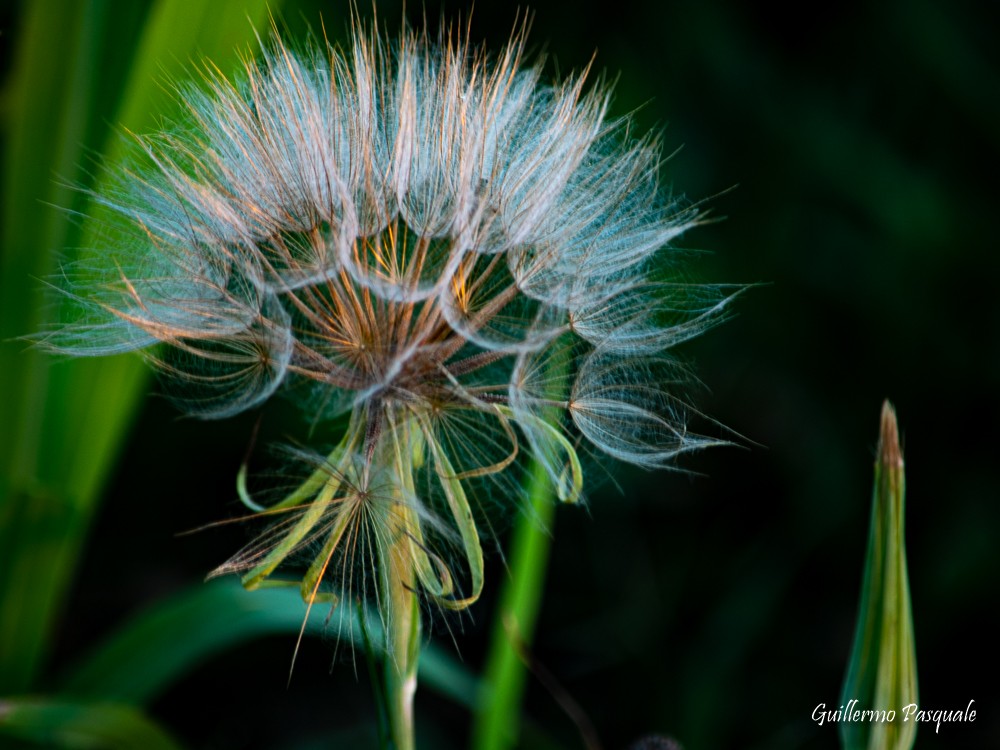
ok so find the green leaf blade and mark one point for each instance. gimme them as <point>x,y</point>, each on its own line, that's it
<point>882,671</point>
<point>90,725</point>
<point>145,656</point>
<point>65,422</point>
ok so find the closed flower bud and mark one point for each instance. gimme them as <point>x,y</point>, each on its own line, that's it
<point>882,672</point>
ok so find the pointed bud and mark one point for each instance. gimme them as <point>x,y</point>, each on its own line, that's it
<point>882,672</point>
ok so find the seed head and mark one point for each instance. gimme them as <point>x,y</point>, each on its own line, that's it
<point>472,263</point>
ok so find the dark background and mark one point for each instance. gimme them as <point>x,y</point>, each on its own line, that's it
<point>850,151</point>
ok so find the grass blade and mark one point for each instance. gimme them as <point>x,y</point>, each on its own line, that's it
<point>67,724</point>
<point>498,714</point>
<point>64,423</point>
<point>145,656</point>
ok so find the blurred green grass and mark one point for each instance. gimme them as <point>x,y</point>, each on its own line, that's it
<point>65,423</point>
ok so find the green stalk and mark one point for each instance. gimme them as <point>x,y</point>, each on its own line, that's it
<point>498,716</point>
<point>402,612</point>
<point>497,720</point>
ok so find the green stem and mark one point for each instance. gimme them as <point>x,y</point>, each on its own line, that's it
<point>402,615</point>
<point>497,720</point>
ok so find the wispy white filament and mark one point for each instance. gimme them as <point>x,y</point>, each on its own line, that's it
<point>428,237</point>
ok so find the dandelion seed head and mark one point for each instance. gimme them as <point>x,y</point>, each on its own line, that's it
<point>428,239</point>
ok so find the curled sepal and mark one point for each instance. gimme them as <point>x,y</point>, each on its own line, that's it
<point>882,672</point>
<point>477,435</point>
<point>302,517</point>
<point>553,450</point>
<point>537,393</point>
<point>344,519</point>
<point>458,504</point>
<point>407,455</point>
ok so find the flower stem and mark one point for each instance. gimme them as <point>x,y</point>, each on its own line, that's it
<point>402,618</point>
<point>497,722</point>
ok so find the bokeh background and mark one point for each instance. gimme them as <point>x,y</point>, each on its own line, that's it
<point>850,153</point>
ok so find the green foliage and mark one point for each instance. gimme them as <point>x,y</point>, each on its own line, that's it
<point>498,714</point>
<point>145,656</point>
<point>83,725</point>
<point>64,422</point>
